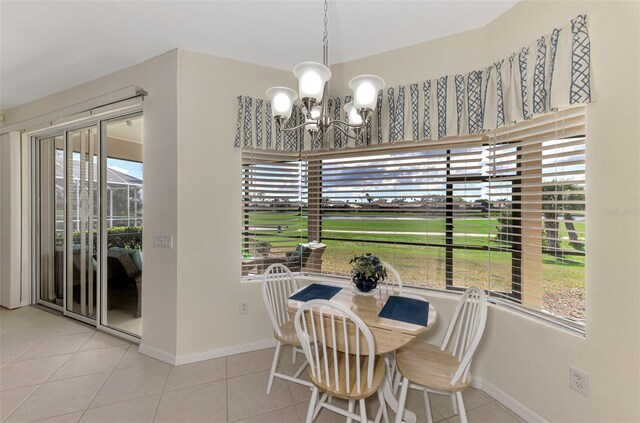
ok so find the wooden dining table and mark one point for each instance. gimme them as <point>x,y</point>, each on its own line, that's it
<point>389,334</point>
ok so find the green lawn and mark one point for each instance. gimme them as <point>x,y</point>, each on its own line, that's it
<point>425,265</point>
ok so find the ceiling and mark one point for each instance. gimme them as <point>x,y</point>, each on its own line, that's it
<point>128,130</point>
<point>49,46</point>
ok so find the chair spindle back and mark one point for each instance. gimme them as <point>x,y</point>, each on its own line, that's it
<point>335,342</point>
<point>278,284</point>
<point>465,330</point>
<point>393,282</point>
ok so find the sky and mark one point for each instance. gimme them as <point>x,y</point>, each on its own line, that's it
<point>125,166</point>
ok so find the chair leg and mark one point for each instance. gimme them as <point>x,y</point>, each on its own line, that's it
<point>387,364</point>
<point>301,369</point>
<point>396,383</point>
<point>363,412</point>
<point>312,405</point>
<point>273,367</point>
<point>323,398</point>
<point>350,408</point>
<point>293,355</point>
<point>454,403</point>
<point>462,411</point>
<point>383,407</point>
<point>427,404</point>
<point>403,399</point>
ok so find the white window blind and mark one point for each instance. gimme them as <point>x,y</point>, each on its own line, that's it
<point>415,205</point>
<point>537,190</point>
<point>504,211</point>
<point>274,204</point>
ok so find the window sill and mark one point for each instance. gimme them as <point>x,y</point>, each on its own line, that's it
<point>538,316</point>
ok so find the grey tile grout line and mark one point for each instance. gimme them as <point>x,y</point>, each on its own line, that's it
<point>103,384</point>
<point>262,414</point>
<point>40,385</point>
<point>23,401</point>
<point>164,386</point>
<point>505,408</point>
<point>227,378</point>
<point>48,335</point>
<point>226,389</point>
<point>73,377</point>
<point>43,383</point>
<point>294,403</point>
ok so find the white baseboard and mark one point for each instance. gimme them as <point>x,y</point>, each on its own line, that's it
<point>205,355</point>
<point>508,401</point>
<point>157,354</point>
<point>225,351</point>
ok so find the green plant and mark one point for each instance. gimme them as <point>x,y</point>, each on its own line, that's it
<point>367,266</point>
<point>125,237</point>
<point>117,236</point>
<point>256,248</point>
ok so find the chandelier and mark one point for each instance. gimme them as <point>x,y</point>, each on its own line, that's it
<point>313,88</point>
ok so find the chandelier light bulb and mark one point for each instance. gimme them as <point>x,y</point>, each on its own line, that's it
<point>281,103</point>
<point>315,112</point>
<point>311,80</point>
<point>352,114</point>
<point>365,91</point>
<point>281,99</point>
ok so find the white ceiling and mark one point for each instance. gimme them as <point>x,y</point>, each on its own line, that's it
<point>128,130</point>
<point>49,46</point>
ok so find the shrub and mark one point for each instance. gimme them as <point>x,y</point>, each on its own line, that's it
<point>117,236</point>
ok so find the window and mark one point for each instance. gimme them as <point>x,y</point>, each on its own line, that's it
<point>274,207</point>
<point>504,211</point>
<point>537,187</point>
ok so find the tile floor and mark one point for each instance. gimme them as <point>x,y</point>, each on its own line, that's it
<point>56,370</point>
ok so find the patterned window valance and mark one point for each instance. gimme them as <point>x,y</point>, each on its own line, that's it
<point>553,72</point>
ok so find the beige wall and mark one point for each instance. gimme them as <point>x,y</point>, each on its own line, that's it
<point>158,77</point>
<point>192,181</point>
<point>209,288</point>
<point>523,357</point>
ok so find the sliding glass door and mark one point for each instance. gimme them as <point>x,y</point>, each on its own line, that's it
<point>82,249</point>
<point>88,220</point>
<point>51,210</point>
<point>123,212</point>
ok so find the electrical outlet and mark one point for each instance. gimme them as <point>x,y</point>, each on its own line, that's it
<point>244,307</point>
<point>579,381</point>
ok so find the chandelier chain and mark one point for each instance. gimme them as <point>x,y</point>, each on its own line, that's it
<point>325,37</point>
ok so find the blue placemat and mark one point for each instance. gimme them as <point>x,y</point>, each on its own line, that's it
<point>316,291</point>
<point>406,309</point>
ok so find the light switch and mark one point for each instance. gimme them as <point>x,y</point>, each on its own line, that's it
<point>163,241</point>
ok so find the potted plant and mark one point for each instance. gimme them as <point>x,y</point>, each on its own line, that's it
<point>366,272</point>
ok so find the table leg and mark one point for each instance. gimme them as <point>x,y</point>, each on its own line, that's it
<point>391,400</point>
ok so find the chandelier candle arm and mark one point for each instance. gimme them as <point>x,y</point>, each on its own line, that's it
<point>345,132</point>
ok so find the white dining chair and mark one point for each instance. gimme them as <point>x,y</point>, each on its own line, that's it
<point>393,282</point>
<point>444,370</point>
<point>278,284</point>
<point>392,285</point>
<point>340,350</point>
